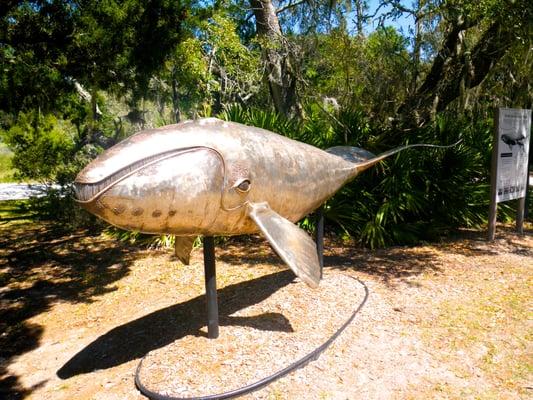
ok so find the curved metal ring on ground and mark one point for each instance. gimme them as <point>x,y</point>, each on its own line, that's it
<point>302,362</point>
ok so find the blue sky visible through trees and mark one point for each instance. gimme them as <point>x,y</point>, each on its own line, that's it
<point>402,23</point>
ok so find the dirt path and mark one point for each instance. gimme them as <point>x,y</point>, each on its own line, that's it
<point>451,320</point>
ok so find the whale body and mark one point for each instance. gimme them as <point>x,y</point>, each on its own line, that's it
<point>211,177</point>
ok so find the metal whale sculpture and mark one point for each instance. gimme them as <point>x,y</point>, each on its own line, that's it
<point>211,177</point>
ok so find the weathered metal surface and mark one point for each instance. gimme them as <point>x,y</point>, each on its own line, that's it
<point>195,178</point>
<point>291,243</point>
<point>182,248</point>
<point>210,177</point>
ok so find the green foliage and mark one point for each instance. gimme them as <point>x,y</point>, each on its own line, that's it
<point>190,71</point>
<point>42,146</point>
<point>147,63</point>
<point>268,119</point>
<point>208,68</point>
<point>146,240</point>
<point>103,44</point>
<point>333,66</point>
<point>386,74</point>
<point>369,73</point>
<point>6,168</point>
<point>47,149</point>
<point>419,194</point>
<point>130,237</point>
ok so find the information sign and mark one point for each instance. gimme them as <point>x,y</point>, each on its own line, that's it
<point>513,136</point>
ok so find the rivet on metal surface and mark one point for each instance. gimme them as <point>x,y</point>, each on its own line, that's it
<point>156,213</point>
<point>171,213</point>
<point>119,209</point>
<point>137,211</point>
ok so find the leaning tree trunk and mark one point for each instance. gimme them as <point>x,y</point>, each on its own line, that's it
<point>456,70</point>
<point>279,75</point>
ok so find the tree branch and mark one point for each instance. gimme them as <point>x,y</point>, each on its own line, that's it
<point>289,6</point>
<point>84,94</point>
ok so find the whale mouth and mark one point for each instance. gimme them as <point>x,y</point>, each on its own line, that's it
<point>88,192</point>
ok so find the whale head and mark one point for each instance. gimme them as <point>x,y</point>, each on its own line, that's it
<point>138,187</point>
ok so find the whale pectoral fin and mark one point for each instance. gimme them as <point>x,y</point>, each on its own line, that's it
<point>292,244</point>
<point>182,248</point>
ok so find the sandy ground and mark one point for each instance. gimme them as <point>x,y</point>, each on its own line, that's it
<point>450,320</point>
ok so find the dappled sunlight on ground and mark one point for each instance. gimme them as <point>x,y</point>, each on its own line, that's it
<point>443,320</point>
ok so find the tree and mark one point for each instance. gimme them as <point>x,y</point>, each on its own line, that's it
<point>49,45</point>
<point>210,69</point>
<point>493,27</point>
<point>386,76</point>
<point>279,72</point>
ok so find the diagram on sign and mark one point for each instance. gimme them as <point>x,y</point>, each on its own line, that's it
<point>513,140</point>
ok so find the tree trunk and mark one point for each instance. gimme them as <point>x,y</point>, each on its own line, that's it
<point>176,112</point>
<point>455,70</point>
<point>280,76</point>
<point>359,17</point>
<point>416,49</point>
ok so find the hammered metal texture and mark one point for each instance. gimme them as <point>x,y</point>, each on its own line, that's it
<point>196,177</point>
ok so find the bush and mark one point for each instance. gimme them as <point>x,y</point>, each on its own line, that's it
<point>46,150</point>
<point>6,169</point>
<point>416,195</point>
<point>56,204</point>
<point>42,146</point>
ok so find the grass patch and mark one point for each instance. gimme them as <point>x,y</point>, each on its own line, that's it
<point>6,169</point>
<point>14,210</point>
<point>486,332</point>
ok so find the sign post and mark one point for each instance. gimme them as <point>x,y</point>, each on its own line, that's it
<point>509,169</point>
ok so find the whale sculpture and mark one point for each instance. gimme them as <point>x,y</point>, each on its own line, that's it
<point>211,177</point>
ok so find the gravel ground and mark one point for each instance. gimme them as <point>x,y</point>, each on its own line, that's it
<point>78,312</point>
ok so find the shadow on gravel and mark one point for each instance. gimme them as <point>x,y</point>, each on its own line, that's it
<point>387,266</point>
<point>401,262</point>
<point>474,243</point>
<point>39,266</point>
<point>248,249</point>
<point>160,328</point>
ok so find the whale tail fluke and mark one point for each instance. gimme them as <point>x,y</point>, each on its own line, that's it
<point>352,154</point>
<point>363,159</point>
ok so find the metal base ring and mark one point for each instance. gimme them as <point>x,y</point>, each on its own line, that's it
<point>302,362</point>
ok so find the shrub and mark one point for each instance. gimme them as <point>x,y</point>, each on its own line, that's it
<point>45,150</point>
<point>41,145</point>
<point>418,194</point>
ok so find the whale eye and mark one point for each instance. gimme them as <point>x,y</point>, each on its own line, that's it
<point>242,185</point>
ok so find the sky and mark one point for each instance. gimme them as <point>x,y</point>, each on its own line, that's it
<point>402,24</point>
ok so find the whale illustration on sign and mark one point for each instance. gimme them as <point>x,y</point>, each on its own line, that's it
<point>211,177</point>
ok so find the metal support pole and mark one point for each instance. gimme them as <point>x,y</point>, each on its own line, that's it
<point>530,161</point>
<point>320,239</point>
<point>211,287</point>
<point>520,215</point>
<point>493,208</point>
<point>522,211</point>
<point>526,208</point>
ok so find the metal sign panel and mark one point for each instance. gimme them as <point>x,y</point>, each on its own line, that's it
<point>513,136</point>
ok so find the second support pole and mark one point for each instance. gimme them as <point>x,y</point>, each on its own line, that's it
<point>320,240</point>
<point>211,287</point>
